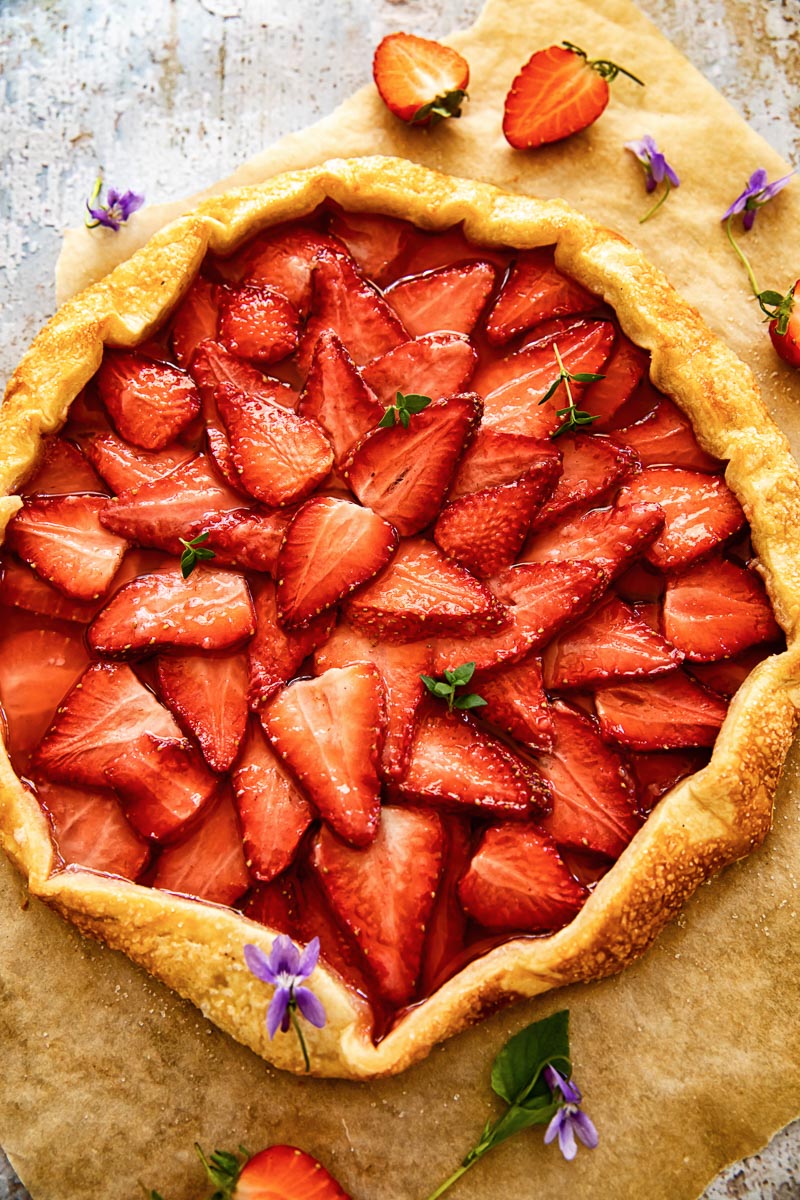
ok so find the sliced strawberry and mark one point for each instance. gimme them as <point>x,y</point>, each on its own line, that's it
<point>345,303</point>
<point>211,610</point>
<point>453,764</point>
<point>436,365</point>
<point>62,539</point>
<point>701,512</point>
<point>103,714</point>
<point>487,530</point>
<point>728,674</point>
<point>163,784</point>
<point>249,539</point>
<point>384,895</point>
<point>613,643</point>
<point>124,467</point>
<point>213,364</point>
<point>279,456</point>
<point>29,698</point>
<point>209,863</point>
<point>376,242</point>
<point>494,457</point>
<point>593,467</point>
<point>518,881</point>
<point>450,299</point>
<point>447,927</point>
<point>516,703</point>
<point>62,471</point>
<point>331,548</point>
<point>258,323</point>
<point>556,93</point>
<point>717,609</point>
<point>404,473</point>
<point>594,799</point>
<point>624,369</point>
<point>446,248</point>
<point>609,537</point>
<point>656,774</point>
<point>149,402</point>
<point>178,506</point>
<point>273,813</point>
<point>419,80</point>
<point>284,259</point>
<point>665,436</point>
<point>329,731</point>
<point>208,695</point>
<point>422,593</point>
<point>660,714</point>
<point>641,583</point>
<point>274,654</point>
<point>20,587</point>
<point>336,396</point>
<point>286,1173</point>
<point>89,830</point>
<point>534,291</point>
<point>196,318</point>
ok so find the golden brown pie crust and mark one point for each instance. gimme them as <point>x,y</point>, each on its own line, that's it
<point>704,823</point>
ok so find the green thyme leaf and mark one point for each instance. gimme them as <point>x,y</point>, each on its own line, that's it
<point>387,420</point>
<point>473,700</point>
<point>403,409</point>
<point>446,689</point>
<point>194,552</point>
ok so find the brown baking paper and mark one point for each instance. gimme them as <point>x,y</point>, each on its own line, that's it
<point>688,1060</point>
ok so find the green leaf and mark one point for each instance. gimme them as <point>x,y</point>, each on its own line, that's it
<point>429,682</point>
<point>518,1066</point>
<point>519,1117</point>
<point>405,418</point>
<point>585,377</point>
<point>473,700</point>
<point>387,420</point>
<point>771,297</point>
<point>551,390</point>
<point>462,674</point>
<point>415,404</point>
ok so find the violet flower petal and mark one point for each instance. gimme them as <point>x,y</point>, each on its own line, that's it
<point>554,1079</point>
<point>278,1012</point>
<point>310,1006</point>
<point>566,1137</point>
<point>285,956</point>
<point>551,1133</point>
<point>585,1129</point>
<point>308,959</point>
<point>259,964</point>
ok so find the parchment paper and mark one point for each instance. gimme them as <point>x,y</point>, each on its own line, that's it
<point>688,1060</point>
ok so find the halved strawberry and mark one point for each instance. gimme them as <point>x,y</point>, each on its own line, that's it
<point>453,764</point>
<point>257,323</point>
<point>62,538</point>
<point>613,643</point>
<point>593,467</point>
<point>450,299</point>
<point>284,259</point>
<point>656,774</point>
<point>486,530</point>
<point>196,318</point>
<point>404,473</point>
<point>331,548</point>
<point>21,587</point>
<point>208,695</point>
<point>494,457</point>
<point>211,610</point>
<point>286,1173</point>
<point>163,784</point>
<point>419,80</point>
<point>345,303</point>
<point>105,711</point>
<point>665,436</point>
<point>435,365</point>
<point>716,609</point>
<point>422,593</point>
<point>609,537</point>
<point>534,291</point>
<point>594,800</point>
<point>518,881</point>
<point>329,731</point>
<point>375,241</point>
<point>213,364</point>
<point>30,697</point>
<point>700,513</point>
<point>660,714</point>
<point>640,584</point>
<point>384,895</point>
<point>279,456</point>
<point>209,862</point>
<point>90,830</point>
<point>273,813</point>
<point>62,471</point>
<point>336,396</point>
<point>623,371</point>
<point>248,538</point>
<point>149,402</point>
<point>727,675</point>
<point>447,926</point>
<point>275,653</point>
<point>124,467</point>
<point>787,342</point>
<point>516,703</point>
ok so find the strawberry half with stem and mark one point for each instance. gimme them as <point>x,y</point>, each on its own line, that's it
<point>278,1173</point>
<point>784,328</point>
<point>558,92</point>
<point>421,81</point>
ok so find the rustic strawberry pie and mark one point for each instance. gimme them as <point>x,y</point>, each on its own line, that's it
<point>396,562</point>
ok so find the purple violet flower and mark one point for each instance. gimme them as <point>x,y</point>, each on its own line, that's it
<point>656,167</point>
<point>757,193</point>
<point>116,209</point>
<point>286,968</point>
<point>570,1120</point>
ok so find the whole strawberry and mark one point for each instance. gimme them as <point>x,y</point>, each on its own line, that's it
<point>784,328</point>
<point>419,80</point>
<point>558,92</point>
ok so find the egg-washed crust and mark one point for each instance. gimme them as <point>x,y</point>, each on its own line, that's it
<point>706,822</point>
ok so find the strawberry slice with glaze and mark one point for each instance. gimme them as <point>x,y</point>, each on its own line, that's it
<point>384,895</point>
<point>208,695</point>
<point>518,881</point>
<point>516,703</point>
<point>249,539</point>
<point>331,548</point>
<point>610,537</point>
<point>149,402</point>
<point>284,259</point>
<point>196,318</point>
<point>211,610</point>
<point>623,371</point>
<point>29,698</point>
<point>486,530</point>
<point>62,471</point>
<point>656,774</point>
<point>436,365</point>
<point>62,538</point>
<point>124,467</point>
<point>447,927</point>
<point>209,863</point>
<point>450,299</point>
<point>21,587</point>
<point>716,609</point>
<point>593,467</point>
<point>89,830</point>
<point>727,675</point>
<point>257,323</point>
<point>534,291</point>
<point>660,714</point>
<point>700,513</point>
<point>213,364</point>
<point>404,473</point>
<point>375,241</point>
<point>613,643</point>
<point>273,813</point>
<point>336,396</point>
<point>275,653</point>
<point>345,303</point>
<point>329,731</point>
<point>494,457</point>
<point>163,785</point>
<point>665,435</point>
<point>286,1173</point>
<point>422,593</point>
<point>594,800</point>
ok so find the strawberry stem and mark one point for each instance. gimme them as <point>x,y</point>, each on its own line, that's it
<point>606,69</point>
<point>651,211</point>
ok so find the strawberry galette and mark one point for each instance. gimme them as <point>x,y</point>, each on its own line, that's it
<point>397,562</point>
